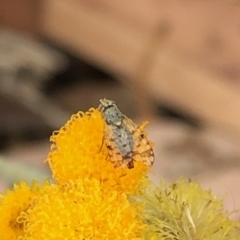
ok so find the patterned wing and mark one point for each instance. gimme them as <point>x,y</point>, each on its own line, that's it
<point>114,152</point>
<point>143,148</point>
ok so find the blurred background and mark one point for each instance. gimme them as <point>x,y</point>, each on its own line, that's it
<point>173,63</point>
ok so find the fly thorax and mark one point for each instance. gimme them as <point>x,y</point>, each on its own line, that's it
<point>113,116</point>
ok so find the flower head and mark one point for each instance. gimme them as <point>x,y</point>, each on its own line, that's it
<point>82,210</point>
<point>78,151</point>
<point>183,210</point>
<point>13,205</point>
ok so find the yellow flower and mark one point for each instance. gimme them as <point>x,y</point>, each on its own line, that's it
<point>13,205</point>
<point>82,210</point>
<point>183,210</point>
<point>78,151</point>
<point>77,147</point>
<point>90,199</point>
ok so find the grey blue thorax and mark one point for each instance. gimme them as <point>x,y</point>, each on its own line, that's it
<point>122,137</point>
